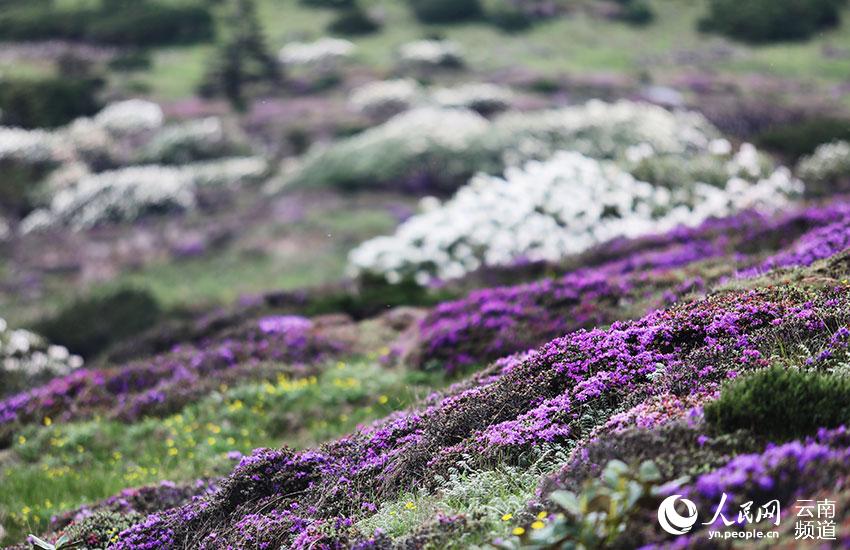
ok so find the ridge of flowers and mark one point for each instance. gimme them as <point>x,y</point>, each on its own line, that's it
<point>652,271</point>
<point>157,385</point>
<point>555,394</point>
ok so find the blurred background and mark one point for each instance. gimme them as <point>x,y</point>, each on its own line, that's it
<point>269,79</point>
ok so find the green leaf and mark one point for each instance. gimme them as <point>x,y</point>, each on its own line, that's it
<point>566,500</point>
<point>35,541</point>
<point>649,472</point>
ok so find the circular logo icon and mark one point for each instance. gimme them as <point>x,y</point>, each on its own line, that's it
<point>671,521</point>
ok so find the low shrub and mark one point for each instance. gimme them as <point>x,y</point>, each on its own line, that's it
<point>637,12</point>
<point>114,22</point>
<point>802,138</point>
<point>328,3</point>
<point>770,21</point>
<point>507,15</point>
<point>781,403</point>
<point>445,11</point>
<point>354,21</point>
<point>91,324</point>
<point>47,102</point>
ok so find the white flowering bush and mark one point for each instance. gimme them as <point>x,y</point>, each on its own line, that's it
<point>126,194</point>
<point>548,210</point>
<point>481,97</point>
<point>385,98</point>
<point>600,130</point>
<point>441,149</point>
<point>323,53</point>
<point>31,147</point>
<point>714,167</point>
<point>428,54</point>
<point>424,148</point>
<point>130,117</point>
<point>26,157</point>
<point>192,141</point>
<point>26,356</point>
<point>827,166</point>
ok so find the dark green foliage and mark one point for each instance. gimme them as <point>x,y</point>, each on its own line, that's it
<point>445,11</point>
<point>47,102</point>
<point>637,12</point>
<point>507,15</point>
<point>329,3</point>
<point>373,296</point>
<point>354,21</point>
<point>140,23</point>
<point>97,530</point>
<point>19,187</point>
<point>771,20</point>
<point>781,404</point>
<point>242,58</point>
<point>802,138</point>
<point>131,61</point>
<point>90,325</point>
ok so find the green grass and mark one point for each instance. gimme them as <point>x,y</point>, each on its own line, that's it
<point>567,45</point>
<point>48,470</point>
<point>273,255</point>
<point>493,500</point>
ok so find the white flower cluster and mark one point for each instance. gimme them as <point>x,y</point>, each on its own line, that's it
<point>600,130</point>
<point>323,53</point>
<point>128,193</point>
<point>29,147</point>
<point>409,143</point>
<point>829,164</point>
<point>385,98</point>
<point>130,117</point>
<point>482,97</point>
<point>189,142</point>
<point>26,355</point>
<point>546,211</point>
<point>430,54</point>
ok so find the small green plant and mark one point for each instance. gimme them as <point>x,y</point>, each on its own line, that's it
<point>62,543</point>
<point>759,21</point>
<point>781,404</point>
<point>801,138</point>
<point>354,21</point>
<point>597,516</point>
<point>445,11</point>
<point>90,325</point>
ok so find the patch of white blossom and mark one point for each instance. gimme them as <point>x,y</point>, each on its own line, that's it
<point>828,164</point>
<point>413,143</point>
<point>25,354</point>
<point>385,98</point>
<point>128,193</point>
<point>323,53</point>
<point>27,147</point>
<point>548,210</point>
<point>478,96</point>
<point>430,54</point>
<point>130,117</point>
<point>439,141</point>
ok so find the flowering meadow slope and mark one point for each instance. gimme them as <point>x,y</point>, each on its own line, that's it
<point>648,373</point>
<point>757,291</point>
<point>643,274</point>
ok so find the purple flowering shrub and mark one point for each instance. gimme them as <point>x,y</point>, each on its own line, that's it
<point>165,382</point>
<point>631,278</point>
<point>560,393</point>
